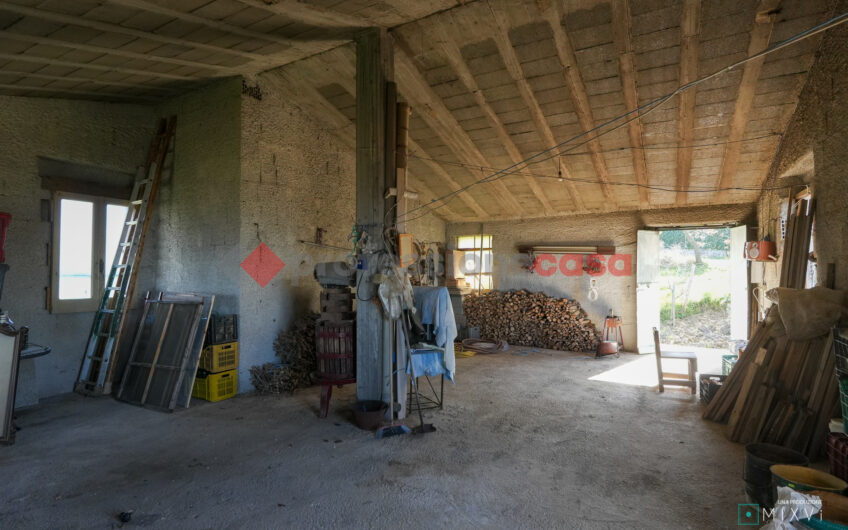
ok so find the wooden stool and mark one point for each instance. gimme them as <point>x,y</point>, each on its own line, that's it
<point>327,393</point>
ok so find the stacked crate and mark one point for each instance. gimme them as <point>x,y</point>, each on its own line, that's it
<point>217,372</point>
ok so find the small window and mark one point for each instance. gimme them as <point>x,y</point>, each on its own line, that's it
<point>86,234</point>
<point>478,260</point>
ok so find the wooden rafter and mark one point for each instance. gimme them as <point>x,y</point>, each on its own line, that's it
<point>433,111</point>
<point>73,79</point>
<point>513,67</point>
<point>343,66</point>
<point>579,97</point>
<point>265,60</point>
<point>48,41</point>
<point>99,67</point>
<point>150,7</point>
<point>689,45</point>
<point>626,69</point>
<point>451,52</point>
<point>760,36</point>
<point>296,89</point>
<point>73,92</point>
<point>309,14</point>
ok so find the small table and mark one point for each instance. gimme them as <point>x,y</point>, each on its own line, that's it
<point>27,387</point>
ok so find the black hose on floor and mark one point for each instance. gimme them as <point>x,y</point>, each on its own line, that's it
<point>484,345</point>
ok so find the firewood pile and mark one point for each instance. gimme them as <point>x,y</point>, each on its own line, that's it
<point>296,350</point>
<point>781,391</point>
<point>523,318</point>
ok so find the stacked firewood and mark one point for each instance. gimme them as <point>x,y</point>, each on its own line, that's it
<point>531,319</point>
<point>296,350</point>
<point>781,391</point>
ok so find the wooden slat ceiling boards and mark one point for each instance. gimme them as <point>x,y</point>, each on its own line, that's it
<point>490,82</point>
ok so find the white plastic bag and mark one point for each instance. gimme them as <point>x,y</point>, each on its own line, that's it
<point>792,506</point>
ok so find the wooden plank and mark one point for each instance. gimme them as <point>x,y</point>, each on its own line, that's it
<point>266,60</point>
<point>118,52</point>
<point>92,66</point>
<point>513,67</point>
<point>621,22</point>
<point>759,40</point>
<point>689,37</point>
<point>450,50</point>
<point>427,104</point>
<point>310,14</point>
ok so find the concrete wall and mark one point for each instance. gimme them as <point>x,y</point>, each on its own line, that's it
<point>109,136</point>
<point>295,177</point>
<point>814,152</point>
<point>614,292</point>
<point>244,171</point>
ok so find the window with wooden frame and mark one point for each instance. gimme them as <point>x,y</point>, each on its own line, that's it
<point>478,260</point>
<point>86,232</point>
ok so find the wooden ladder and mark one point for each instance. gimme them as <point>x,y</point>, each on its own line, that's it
<point>98,366</point>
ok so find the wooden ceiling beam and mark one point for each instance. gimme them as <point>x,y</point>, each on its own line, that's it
<point>74,92</point>
<point>452,54</point>
<point>344,128</point>
<point>513,67</point>
<point>99,67</point>
<point>150,7</point>
<point>310,14</point>
<point>265,60</point>
<point>342,62</point>
<point>47,41</point>
<point>579,97</point>
<point>760,36</point>
<point>689,46</point>
<point>32,75</point>
<point>432,110</point>
<point>621,23</point>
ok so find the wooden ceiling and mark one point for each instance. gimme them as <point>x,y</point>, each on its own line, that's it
<point>491,82</point>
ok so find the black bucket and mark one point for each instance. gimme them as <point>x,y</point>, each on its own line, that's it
<point>759,457</point>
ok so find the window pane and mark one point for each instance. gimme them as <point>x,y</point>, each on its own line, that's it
<point>465,242</point>
<point>487,261</point>
<point>76,220</point>
<point>116,214</point>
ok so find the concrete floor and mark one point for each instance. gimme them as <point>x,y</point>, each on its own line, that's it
<point>525,441</point>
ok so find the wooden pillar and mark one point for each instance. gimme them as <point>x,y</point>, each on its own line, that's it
<point>374,69</point>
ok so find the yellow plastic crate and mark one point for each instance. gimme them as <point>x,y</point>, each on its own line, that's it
<point>219,357</point>
<point>215,387</point>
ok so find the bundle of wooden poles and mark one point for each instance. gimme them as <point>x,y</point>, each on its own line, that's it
<point>781,391</point>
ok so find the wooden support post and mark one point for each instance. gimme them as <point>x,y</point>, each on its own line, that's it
<point>374,68</point>
<point>401,162</point>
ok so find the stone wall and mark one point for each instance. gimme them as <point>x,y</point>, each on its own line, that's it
<point>814,152</point>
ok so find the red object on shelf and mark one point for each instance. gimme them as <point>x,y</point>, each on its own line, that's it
<point>759,250</point>
<point>5,219</point>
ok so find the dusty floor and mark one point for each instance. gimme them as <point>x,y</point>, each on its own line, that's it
<point>524,442</point>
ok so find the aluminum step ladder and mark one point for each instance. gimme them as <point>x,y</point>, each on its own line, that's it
<point>98,364</point>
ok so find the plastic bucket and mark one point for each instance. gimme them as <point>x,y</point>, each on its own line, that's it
<point>805,479</point>
<point>759,458</point>
<point>368,415</point>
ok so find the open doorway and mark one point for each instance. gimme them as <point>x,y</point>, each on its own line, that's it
<point>714,313</point>
<point>695,287</point>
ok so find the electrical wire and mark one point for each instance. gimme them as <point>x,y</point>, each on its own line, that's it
<point>638,111</point>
